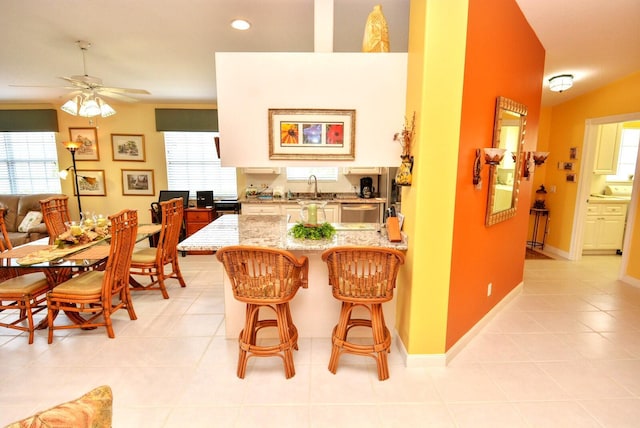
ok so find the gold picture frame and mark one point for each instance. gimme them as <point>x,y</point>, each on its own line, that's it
<point>88,151</point>
<point>128,147</point>
<point>137,182</point>
<point>312,134</point>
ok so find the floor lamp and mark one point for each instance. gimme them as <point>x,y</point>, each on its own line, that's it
<point>72,146</point>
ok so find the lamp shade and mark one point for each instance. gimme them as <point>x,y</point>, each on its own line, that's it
<point>89,108</point>
<point>72,106</point>
<point>561,82</point>
<point>105,109</point>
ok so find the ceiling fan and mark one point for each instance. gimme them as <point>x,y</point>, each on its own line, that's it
<point>88,91</point>
<point>85,83</point>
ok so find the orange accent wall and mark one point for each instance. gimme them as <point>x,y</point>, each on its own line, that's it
<point>504,58</point>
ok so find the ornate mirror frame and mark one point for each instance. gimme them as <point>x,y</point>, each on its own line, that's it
<point>504,178</point>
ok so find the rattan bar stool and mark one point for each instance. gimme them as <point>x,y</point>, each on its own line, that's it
<point>362,277</point>
<point>265,278</point>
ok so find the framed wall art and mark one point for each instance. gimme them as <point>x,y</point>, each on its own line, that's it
<point>128,147</point>
<point>90,182</point>
<point>137,182</point>
<point>312,134</point>
<point>88,151</point>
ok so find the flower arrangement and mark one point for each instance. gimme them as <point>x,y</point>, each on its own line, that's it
<point>405,138</point>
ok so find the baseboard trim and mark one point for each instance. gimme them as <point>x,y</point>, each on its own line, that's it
<point>440,360</point>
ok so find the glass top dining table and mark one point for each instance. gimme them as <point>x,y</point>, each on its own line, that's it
<point>41,255</point>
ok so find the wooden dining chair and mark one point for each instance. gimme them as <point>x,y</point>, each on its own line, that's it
<point>265,278</point>
<point>99,293</point>
<point>25,293</point>
<point>151,261</point>
<point>362,277</point>
<point>55,213</point>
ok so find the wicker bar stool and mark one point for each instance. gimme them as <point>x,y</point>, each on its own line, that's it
<point>362,277</point>
<point>265,278</point>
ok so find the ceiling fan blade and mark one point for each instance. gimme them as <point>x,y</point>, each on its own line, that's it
<point>43,86</point>
<point>108,94</point>
<point>126,90</point>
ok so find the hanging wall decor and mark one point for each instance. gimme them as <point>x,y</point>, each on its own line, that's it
<point>405,138</point>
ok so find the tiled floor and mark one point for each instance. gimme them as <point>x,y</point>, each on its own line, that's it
<point>565,353</point>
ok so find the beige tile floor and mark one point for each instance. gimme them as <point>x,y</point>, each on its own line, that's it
<point>564,353</point>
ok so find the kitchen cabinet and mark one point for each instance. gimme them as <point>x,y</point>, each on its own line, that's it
<point>195,219</point>
<point>260,209</point>
<point>604,226</point>
<point>355,170</point>
<point>262,170</point>
<point>607,148</point>
<point>331,211</point>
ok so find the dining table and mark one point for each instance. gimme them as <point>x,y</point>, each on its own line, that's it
<point>60,262</point>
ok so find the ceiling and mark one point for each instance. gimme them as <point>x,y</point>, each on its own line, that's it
<point>167,46</point>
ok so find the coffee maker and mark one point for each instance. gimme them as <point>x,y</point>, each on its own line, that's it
<point>366,187</point>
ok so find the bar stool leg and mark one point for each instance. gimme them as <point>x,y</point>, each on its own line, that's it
<point>287,339</point>
<point>381,339</point>
<point>247,338</point>
<point>339,335</point>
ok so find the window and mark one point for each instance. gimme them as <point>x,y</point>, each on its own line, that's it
<point>192,164</point>
<point>627,156</point>
<point>302,173</point>
<point>29,163</point>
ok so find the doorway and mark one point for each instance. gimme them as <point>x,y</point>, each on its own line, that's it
<point>584,190</point>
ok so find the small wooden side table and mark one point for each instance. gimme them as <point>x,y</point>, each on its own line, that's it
<point>538,213</point>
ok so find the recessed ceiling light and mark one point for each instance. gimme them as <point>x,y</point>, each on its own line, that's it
<point>240,24</point>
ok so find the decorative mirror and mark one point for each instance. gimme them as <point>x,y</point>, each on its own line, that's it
<point>504,178</point>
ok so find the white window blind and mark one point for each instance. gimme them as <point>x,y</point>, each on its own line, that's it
<point>300,173</point>
<point>192,164</point>
<point>628,155</point>
<point>29,163</point>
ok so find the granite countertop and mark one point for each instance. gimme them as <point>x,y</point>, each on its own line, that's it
<point>600,199</point>
<point>272,231</point>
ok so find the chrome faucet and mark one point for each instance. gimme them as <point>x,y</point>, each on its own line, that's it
<point>315,188</point>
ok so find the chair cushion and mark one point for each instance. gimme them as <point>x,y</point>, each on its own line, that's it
<point>32,218</point>
<point>87,283</point>
<point>92,410</point>
<point>146,255</point>
<point>23,284</point>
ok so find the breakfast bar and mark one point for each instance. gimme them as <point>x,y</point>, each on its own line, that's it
<point>314,309</point>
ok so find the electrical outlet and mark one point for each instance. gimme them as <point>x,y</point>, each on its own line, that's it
<point>489,290</point>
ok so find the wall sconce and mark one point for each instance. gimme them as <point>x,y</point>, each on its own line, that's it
<point>561,82</point>
<point>493,156</point>
<point>539,158</point>
<point>526,166</point>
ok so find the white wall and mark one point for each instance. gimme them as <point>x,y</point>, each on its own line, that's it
<point>249,84</point>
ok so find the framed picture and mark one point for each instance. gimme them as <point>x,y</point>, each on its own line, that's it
<point>90,182</point>
<point>128,147</point>
<point>88,151</point>
<point>312,134</point>
<point>572,178</point>
<point>137,182</point>
<point>573,153</point>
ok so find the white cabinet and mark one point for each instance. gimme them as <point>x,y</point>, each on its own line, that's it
<point>356,170</point>
<point>262,170</point>
<point>331,211</point>
<point>607,148</point>
<point>604,226</point>
<point>260,209</point>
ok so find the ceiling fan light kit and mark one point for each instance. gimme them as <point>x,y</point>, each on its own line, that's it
<point>561,82</point>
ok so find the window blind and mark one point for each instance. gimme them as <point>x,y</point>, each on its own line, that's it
<point>29,163</point>
<point>192,163</point>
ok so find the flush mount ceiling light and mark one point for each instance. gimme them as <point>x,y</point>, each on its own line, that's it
<point>240,24</point>
<point>561,82</point>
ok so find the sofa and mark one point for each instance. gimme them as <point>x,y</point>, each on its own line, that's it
<point>17,208</point>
